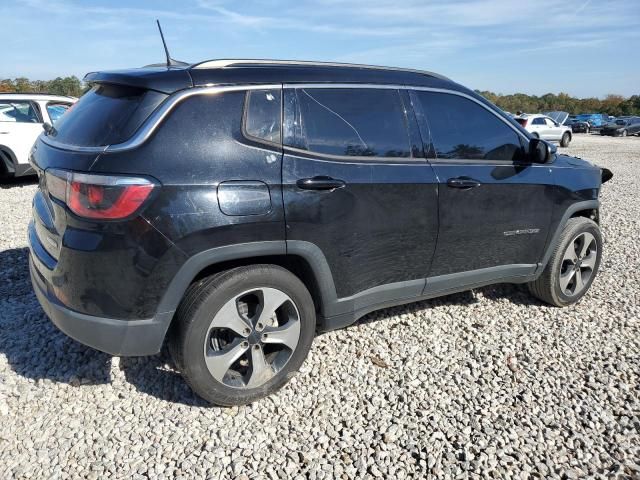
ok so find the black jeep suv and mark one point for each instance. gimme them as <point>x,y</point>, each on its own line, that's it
<point>234,208</point>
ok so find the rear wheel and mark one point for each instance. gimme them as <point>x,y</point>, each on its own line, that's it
<point>624,133</point>
<point>566,138</point>
<point>573,264</point>
<point>535,135</point>
<point>242,334</point>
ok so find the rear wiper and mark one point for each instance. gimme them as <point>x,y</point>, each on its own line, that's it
<point>49,129</point>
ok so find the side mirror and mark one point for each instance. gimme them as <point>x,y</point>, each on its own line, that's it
<point>541,151</point>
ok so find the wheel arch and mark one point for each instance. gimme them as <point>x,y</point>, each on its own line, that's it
<point>307,264</point>
<point>7,160</point>
<point>588,209</point>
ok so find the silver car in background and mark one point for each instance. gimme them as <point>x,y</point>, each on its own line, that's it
<point>546,128</point>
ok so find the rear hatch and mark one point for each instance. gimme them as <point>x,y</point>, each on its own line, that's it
<point>105,115</point>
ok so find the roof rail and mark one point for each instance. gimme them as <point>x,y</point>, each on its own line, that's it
<point>224,63</point>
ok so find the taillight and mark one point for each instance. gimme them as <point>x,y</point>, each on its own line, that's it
<point>103,197</point>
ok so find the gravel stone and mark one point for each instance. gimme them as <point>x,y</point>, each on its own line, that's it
<point>483,384</point>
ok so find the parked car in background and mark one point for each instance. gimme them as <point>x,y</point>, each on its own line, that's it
<point>622,127</point>
<point>243,205</point>
<point>563,118</point>
<point>595,120</point>
<point>21,119</point>
<point>545,128</point>
<point>577,126</point>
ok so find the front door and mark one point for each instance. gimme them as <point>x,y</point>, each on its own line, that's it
<point>495,208</point>
<point>358,191</point>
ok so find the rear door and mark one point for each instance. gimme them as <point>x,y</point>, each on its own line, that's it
<point>357,189</point>
<point>494,208</point>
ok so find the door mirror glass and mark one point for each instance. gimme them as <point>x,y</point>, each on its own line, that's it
<point>541,151</point>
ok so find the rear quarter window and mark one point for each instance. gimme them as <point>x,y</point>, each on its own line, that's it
<point>106,115</point>
<point>263,115</point>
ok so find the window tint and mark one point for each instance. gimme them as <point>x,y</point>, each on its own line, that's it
<point>462,129</point>
<point>353,122</point>
<point>17,111</point>
<point>262,115</point>
<point>106,114</point>
<point>538,121</point>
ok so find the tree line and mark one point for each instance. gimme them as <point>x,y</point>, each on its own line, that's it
<point>615,105</point>
<point>71,86</point>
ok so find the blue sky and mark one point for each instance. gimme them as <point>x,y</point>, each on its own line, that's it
<point>584,48</point>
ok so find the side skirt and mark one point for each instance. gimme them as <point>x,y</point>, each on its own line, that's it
<point>402,293</point>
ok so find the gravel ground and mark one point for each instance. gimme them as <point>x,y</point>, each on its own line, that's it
<point>483,383</point>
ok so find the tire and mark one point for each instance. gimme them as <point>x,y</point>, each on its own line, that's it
<point>566,138</point>
<point>202,332</point>
<point>535,135</point>
<point>549,286</point>
<point>624,133</point>
<point>602,132</point>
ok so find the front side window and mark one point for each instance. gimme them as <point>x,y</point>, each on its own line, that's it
<point>462,129</point>
<point>17,111</point>
<point>353,122</point>
<point>56,110</point>
<point>538,121</point>
<point>263,115</point>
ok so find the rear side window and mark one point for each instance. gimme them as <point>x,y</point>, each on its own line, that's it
<point>56,110</point>
<point>462,129</point>
<point>263,112</point>
<point>17,111</point>
<point>105,115</point>
<point>353,122</point>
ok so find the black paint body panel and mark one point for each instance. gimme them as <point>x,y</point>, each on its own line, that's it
<point>395,232</point>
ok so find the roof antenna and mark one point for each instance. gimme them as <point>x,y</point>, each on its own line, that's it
<point>170,61</point>
<point>166,50</point>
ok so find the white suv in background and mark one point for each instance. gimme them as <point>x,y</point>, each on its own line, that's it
<point>546,128</point>
<point>21,120</point>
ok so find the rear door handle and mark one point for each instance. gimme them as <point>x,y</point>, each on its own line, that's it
<point>320,183</point>
<point>463,182</point>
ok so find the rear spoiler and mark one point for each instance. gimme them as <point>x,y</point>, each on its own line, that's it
<point>606,175</point>
<point>161,79</point>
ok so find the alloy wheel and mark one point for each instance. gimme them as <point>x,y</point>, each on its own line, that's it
<point>252,337</point>
<point>578,264</point>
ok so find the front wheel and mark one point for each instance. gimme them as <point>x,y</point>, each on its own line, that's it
<point>624,133</point>
<point>566,138</point>
<point>242,334</point>
<point>572,266</point>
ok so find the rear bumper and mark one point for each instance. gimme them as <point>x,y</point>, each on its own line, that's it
<point>116,337</point>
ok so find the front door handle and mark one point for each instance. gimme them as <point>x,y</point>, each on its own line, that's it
<point>320,183</point>
<point>463,182</point>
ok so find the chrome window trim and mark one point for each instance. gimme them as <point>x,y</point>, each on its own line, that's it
<point>298,152</point>
<point>156,118</point>
<point>406,87</point>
